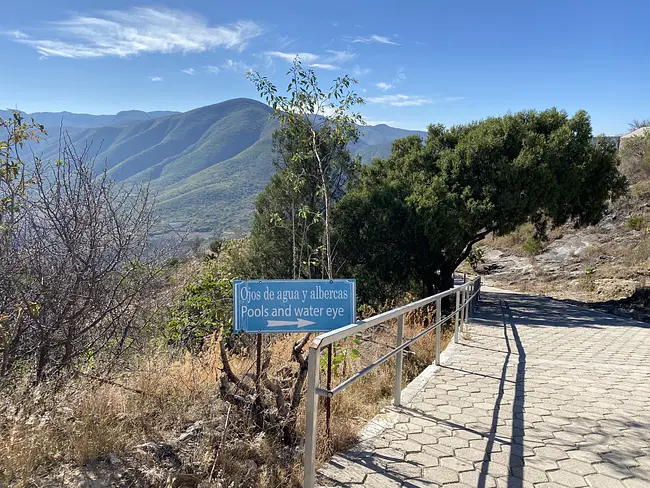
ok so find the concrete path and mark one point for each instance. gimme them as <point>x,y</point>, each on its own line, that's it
<point>537,394</point>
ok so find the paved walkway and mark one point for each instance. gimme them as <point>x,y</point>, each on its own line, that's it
<point>538,394</point>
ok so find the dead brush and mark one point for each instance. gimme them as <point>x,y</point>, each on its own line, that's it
<point>89,419</point>
<point>160,396</point>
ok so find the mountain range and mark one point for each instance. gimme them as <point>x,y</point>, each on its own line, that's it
<point>75,121</point>
<point>206,165</point>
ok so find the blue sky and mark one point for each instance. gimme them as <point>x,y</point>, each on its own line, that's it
<point>417,62</point>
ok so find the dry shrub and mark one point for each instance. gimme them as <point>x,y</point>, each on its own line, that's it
<point>91,419</point>
<point>635,158</point>
<point>641,252</point>
<point>161,396</point>
<point>514,241</point>
<point>640,189</point>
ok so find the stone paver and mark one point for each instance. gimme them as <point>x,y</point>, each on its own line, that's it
<point>538,394</point>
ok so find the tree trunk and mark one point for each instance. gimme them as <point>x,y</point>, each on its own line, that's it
<point>293,237</point>
<point>42,360</point>
<point>429,287</point>
<point>326,196</point>
<point>446,280</point>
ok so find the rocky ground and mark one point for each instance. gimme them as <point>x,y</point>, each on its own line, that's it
<point>605,266</point>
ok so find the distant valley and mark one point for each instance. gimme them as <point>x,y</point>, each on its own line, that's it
<point>206,166</point>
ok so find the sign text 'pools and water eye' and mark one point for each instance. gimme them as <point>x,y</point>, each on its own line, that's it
<point>274,306</point>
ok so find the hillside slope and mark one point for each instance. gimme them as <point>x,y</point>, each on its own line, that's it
<point>606,265</point>
<point>206,165</point>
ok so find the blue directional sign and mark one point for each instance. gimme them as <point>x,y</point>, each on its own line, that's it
<point>273,306</point>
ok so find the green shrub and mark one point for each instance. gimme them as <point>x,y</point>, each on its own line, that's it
<point>640,189</point>
<point>204,307</point>
<point>217,246</point>
<point>533,245</point>
<point>635,222</point>
<point>476,256</point>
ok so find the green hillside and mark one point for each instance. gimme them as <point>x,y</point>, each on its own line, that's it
<point>206,165</point>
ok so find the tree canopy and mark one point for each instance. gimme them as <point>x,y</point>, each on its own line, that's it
<point>415,215</point>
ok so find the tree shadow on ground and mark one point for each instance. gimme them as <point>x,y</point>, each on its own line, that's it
<point>636,306</point>
<point>556,313</point>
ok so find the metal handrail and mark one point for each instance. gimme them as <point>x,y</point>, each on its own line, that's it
<point>467,295</point>
<point>336,335</point>
<point>385,357</point>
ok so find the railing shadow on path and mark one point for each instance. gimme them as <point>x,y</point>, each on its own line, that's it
<point>515,462</point>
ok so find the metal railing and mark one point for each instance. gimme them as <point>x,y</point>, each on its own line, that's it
<point>467,295</point>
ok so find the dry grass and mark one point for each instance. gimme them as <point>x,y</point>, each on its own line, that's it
<point>511,242</point>
<point>91,419</point>
<point>161,396</point>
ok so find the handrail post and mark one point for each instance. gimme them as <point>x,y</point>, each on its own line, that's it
<point>457,317</point>
<point>464,312</point>
<point>471,298</point>
<point>438,327</point>
<point>397,396</point>
<point>312,417</point>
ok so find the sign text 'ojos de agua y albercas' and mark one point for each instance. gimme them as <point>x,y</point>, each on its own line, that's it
<point>273,306</point>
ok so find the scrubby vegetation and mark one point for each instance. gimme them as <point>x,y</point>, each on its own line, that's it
<point>533,245</point>
<point>635,222</point>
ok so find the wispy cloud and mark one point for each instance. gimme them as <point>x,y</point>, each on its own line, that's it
<point>330,61</point>
<point>284,41</point>
<point>384,86</point>
<point>329,67</point>
<point>189,71</point>
<point>138,30</point>
<point>304,57</point>
<point>237,66</point>
<point>340,56</point>
<point>400,100</point>
<point>374,38</point>
<point>155,78</point>
<point>16,34</point>
<point>359,71</point>
<point>410,100</point>
<point>212,69</point>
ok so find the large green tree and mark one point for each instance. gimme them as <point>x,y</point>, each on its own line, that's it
<point>415,215</point>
